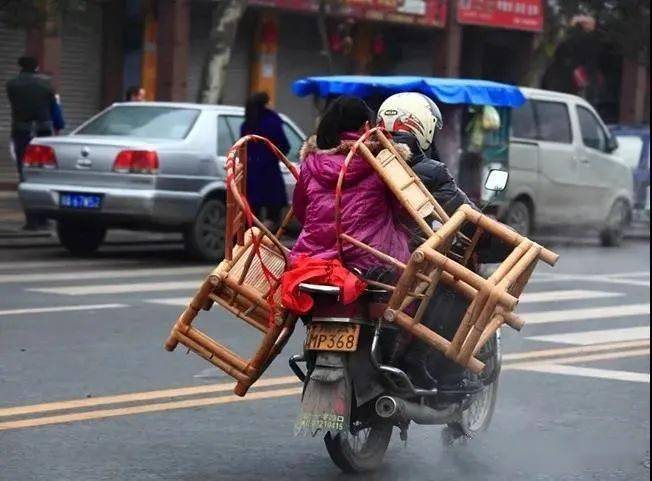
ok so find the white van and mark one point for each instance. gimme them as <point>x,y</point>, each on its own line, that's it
<point>563,172</point>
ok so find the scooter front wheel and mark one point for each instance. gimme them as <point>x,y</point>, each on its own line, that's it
<point>477,416</point>
<point>359,450</point>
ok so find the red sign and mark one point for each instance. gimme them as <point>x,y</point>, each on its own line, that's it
<point>512,14</point>
<point>418,12</point>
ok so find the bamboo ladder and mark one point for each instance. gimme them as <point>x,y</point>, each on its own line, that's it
<point>245,283</point>
<point>492,300</point>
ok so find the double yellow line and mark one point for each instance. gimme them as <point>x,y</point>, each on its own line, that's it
<point>20,417</point>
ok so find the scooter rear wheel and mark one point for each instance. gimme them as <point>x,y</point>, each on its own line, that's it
<point>361,450</point>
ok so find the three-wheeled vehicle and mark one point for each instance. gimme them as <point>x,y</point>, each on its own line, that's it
<point>477,113</point>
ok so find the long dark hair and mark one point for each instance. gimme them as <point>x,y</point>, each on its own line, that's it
<point>344,114</point>
<point>254,108</point>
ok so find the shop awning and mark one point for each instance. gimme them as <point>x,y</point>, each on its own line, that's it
<point>446,90</point>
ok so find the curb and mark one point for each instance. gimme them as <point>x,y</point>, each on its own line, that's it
<point>8,185</point>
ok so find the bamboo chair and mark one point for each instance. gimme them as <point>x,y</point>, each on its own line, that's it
<point>245,283</point>
<point>492,300</point>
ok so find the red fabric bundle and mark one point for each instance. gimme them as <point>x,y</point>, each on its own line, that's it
<point>317,271</point>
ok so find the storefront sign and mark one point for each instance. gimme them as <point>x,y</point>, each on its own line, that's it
<point>512,14</point>
<point>418,12</point>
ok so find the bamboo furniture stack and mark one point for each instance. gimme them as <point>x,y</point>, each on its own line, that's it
<point>246,282</point>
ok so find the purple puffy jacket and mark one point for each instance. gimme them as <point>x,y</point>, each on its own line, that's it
<point>370,212</point>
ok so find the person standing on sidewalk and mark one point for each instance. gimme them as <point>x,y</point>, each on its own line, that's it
<point>32,98</point>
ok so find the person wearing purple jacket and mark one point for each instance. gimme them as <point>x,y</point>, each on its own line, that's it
<point>370,212</point>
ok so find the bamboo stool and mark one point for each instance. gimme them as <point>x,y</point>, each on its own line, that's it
<point>245,283</point>
<point>492,300</point>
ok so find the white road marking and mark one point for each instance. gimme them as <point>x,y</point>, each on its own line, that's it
<point>589,372</point>
<point>171,301</point>
<point>566,295</point>
<point>570,315</point>
<point>43,310</point>
<point>587,338</point>
<point>100,274</point>
<point>619,278</point>
<point>19,265</point>
<point>631,274</point>
<point>120,288</point>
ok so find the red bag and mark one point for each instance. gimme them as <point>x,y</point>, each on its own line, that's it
<point>317,271</point>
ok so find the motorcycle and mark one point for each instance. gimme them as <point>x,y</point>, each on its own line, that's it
<point>355,390</point>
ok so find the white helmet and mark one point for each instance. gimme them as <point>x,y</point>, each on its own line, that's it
<point>411,112</point>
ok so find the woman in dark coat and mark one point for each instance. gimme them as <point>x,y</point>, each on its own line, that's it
<point>265,186</point>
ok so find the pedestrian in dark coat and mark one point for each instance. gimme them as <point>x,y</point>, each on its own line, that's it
<point>265,186</point>
<point>31,96</point>
<point>32,99</point>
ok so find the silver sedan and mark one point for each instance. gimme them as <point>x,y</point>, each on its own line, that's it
<point>152,166</point>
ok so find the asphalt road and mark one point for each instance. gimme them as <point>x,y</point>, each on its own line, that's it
<point>88,393</point>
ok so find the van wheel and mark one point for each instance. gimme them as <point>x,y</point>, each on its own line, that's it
<point>80,238</point>
<point>205,238</point>
<point>519,218</point>
<point>612,233</point>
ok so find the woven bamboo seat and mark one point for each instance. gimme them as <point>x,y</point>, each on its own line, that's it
<point>245,283</point>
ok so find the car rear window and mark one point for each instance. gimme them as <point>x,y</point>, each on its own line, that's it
<point>147,122</point>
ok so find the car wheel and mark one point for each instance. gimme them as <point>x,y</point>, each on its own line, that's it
<point>80,238</point>
<point>205,238</point>
<point>518,217</point>
<point>612,233</point>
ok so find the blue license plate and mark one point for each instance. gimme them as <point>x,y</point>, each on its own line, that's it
<point>80,201</point>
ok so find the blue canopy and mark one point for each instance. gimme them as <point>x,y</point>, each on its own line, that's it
<point>446,90</point>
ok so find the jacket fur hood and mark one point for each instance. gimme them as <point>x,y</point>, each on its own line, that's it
<point>310,147</point>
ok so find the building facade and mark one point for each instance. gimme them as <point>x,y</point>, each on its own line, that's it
<point>95,53</point>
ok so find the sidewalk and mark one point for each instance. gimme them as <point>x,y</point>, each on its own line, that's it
<point>12,218</point>
<point>8,174</point>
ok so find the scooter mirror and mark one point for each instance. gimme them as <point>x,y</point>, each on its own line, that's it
<point>496,180</point>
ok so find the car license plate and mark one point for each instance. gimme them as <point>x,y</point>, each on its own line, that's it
<point>80,201</point>
<point>332,336</point>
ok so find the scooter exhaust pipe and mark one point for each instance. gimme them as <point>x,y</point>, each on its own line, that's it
<point>396,409</point>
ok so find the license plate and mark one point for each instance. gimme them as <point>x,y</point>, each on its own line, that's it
<point>80,201</point>
<point>332,337</point>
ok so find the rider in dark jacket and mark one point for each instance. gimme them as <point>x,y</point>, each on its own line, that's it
<point>413,119</point>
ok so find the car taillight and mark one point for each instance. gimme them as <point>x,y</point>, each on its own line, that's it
<point>136,161</point>
<point>39,156</point>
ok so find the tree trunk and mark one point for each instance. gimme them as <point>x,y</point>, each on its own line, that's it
<point>323,34</point>
<point>226,16</point>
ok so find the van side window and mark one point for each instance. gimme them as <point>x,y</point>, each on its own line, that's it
<point>553,122</point>
<point>593,134</point>
<point>524,125</point>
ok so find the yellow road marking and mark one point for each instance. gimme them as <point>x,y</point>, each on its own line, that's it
<point>223,387</point>
<point>575,350</point>
<point>576,359</point>
<point>137,396</point>
<point>227,399</point>
<point>148,408</point>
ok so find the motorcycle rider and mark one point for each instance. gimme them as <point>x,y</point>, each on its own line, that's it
<point>413,119</point>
